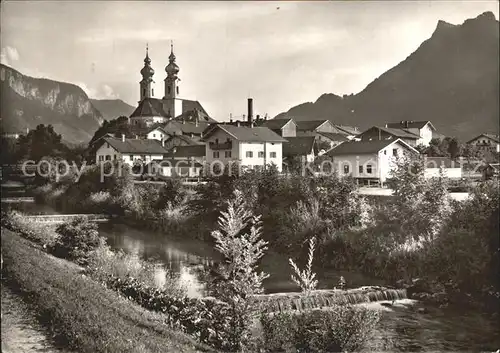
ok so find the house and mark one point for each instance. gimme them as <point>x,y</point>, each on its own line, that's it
<point>369,162</point>
<point>169,167</point>
<point>188,152</point>
<point>488,142</point>
<point>302,147</point>
<point>434,165</point>
<point>384,133</point>
<point>191,129</point>
<point>349,131</point>
<point>283,127</point>
<point>490,170</point>
<point>181,140</point>
<point>331,138</point>
<point>157,133</point>
<point>247,146</point>
<point>423,128</point>
<point>129,151</point>
<point>311,127</point>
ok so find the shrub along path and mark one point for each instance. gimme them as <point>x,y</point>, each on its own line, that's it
<point>82,314</point>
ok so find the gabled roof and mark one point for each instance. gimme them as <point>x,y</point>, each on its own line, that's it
<point>139,146</point>
<point>192,110</point>
<point>149,107</point>
<point>276,124</point>
<point>298,146</point>
<point>188,151</point>
<point>184,138</point>
<point>411,125</point>
<point>247,134</point>
<point>334,136</point>
<point>159,128</point>
<point>493,137</point>
<point>365,147</point>
<point>310,125</point>
<point>349,130</point>
<point>186,127</point>
<point>394,132</point>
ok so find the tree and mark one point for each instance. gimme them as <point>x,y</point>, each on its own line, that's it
<point>41,142</point>
<point>115,127</point>
<point>453,148</point>
<point>236,278</point>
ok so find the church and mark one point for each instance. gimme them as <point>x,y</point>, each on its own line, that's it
<point>152,110</point>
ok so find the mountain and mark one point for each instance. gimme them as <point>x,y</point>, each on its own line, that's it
<point>27,102</point>
<point>112,108</point>
<point>451,79</point>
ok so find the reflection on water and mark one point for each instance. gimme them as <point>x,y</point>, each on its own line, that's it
<point>404,326</point>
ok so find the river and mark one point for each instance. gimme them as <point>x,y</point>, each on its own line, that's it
<point>406,326</point>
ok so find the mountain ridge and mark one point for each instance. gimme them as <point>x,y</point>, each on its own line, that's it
<point>450,79</point>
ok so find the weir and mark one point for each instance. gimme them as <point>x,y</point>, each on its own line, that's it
<point>62,218</point>
<point>317,299</point>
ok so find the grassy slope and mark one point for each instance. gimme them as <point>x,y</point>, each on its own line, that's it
<point>82,314</point>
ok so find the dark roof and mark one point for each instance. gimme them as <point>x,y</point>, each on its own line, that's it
<point>249,134</point>
<point>394,132</point>
<point>186,127</point>
<point>298,146</point>
<point>140,146</point>
<point>334,136</point>
<point>184,138</point>
<point>275,124</point>
<point>188,151</point>
<point>350,130</point>
<point>362,147</point>
<point>192,109</point>
<point>154,107</point>
<point>411,124</point>
<point>309,125</point>
<point>436,162</point>
<point>149,107</point>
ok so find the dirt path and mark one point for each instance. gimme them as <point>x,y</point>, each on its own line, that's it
<point>20,330</point>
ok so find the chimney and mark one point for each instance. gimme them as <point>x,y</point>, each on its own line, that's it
<point>231,120</point>
<point>386,125</point>
<point>250,110</point>
<point>257,118</point>
<point>238,123</point>
<point>265,117</point>
<point>406,123</point>
<point>123,137</point>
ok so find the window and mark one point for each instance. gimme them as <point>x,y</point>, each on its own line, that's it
<point>385,151</point>
<point>216,154</point>
<point>249,154</point>
<point>227,154</point>
<point>177,89</point>
<point>154,135</point>
<point>346,169</point>
<point>101,158</point>
<point>144,92</point>
<point>152,91</point>
<point>360,169</point>
<point>272,155</point>
<point>216,141</point>
<point>108,158</point>
<point>261,154</point>
<point>169,89</point>
<point>114,157</point>
<point>395,152</point>
<point>369,169</point>
<point>107,145</point>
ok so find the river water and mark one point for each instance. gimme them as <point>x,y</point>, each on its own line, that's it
<point>405,326</point>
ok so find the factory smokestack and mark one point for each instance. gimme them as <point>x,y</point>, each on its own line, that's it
<point>250,110</point>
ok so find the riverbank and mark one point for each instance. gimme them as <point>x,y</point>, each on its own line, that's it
<point>80,313</point>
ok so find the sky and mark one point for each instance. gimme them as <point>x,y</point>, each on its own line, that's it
<point>279,53</point>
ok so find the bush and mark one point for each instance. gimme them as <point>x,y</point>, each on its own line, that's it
<point>336,329</point>
<point>77,240</point>
<point>42,234</point>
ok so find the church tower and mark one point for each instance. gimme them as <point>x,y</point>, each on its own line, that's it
<point>172,87</point>
<point>147,72</point>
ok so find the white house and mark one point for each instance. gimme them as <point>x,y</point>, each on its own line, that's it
<point>248,146</point>
<point>424,129</point>
<point>434,165</point>
<point>129,150</point>
<point>182,168</point>
<point>486,142</point>
<point>157,134</point>
<point>366,161</point>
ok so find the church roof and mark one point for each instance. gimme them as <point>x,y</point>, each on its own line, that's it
<point>149,107</point>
